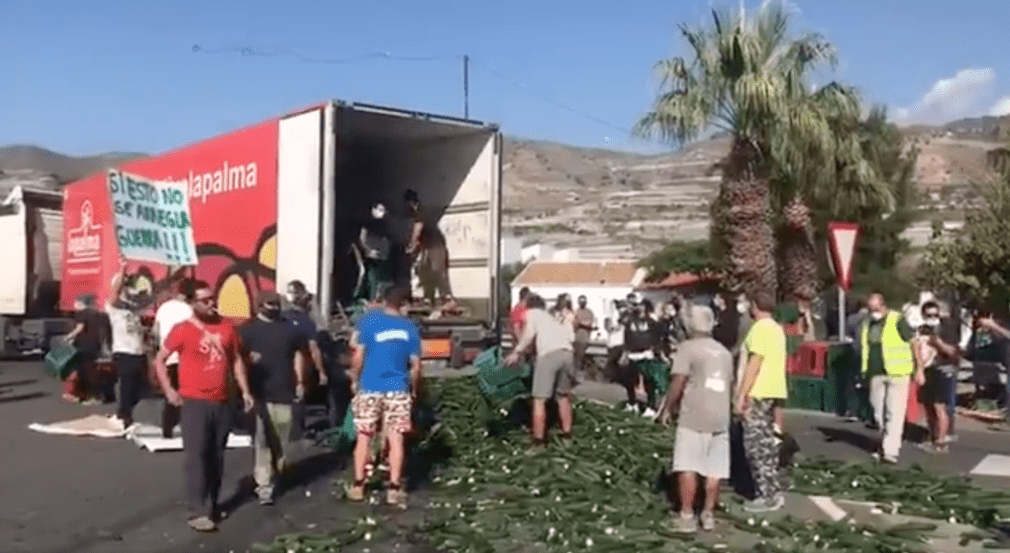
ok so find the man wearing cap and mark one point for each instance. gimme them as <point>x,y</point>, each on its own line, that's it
<point>277,353</point>
<point>702,372</point>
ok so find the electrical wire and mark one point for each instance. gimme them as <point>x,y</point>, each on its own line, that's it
<point>251,52</point>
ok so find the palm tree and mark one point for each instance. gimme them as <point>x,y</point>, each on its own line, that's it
<point>838,176</point>
<point>743,76</point>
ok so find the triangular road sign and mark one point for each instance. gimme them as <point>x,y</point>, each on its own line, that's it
<point>842,237</point>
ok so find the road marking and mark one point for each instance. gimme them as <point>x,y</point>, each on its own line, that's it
<point>993,465</point>
<point>829,507</point>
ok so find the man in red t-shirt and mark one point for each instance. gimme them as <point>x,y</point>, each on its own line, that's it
<point>208,349</point>
<point>518,315</point>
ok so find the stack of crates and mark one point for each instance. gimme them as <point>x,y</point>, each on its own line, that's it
<point>806,369</point>
<point>500,383</point>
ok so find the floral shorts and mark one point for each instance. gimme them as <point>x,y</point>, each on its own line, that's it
<point>393,408</point>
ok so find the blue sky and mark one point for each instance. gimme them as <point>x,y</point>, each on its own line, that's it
<point>118,75</point>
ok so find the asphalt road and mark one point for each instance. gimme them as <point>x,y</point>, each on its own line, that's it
<point>88,495</point>
<point>67,494</point>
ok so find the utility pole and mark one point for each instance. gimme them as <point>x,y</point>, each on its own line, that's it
<point>466,87</point>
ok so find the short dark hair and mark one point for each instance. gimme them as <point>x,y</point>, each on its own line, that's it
<point>411,196</point>
<point>524,292</point>
<point>187,288</point>
<point>930,305</point>
<point>764,301</point>
<point>395,296</point>
<point>534,301</point>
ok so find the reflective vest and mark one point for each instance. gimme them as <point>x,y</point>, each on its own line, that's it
<point>898,359</point>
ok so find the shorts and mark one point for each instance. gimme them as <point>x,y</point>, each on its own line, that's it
<point>393,408</point>
<point>937,388</point>
<point>702,453</point>
<point>554,373</point>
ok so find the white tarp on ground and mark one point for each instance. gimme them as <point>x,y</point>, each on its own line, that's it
<point>99,426</point>
<point>149,437</point>
<point>146,436</point>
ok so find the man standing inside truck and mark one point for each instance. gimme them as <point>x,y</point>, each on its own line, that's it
<point>208,349</point>
<point>277,378</point>
<point>375,265</point>
<point>385,375</point>
<point>427,250</point>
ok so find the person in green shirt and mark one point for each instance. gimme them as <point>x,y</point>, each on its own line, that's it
<point>887,364</point>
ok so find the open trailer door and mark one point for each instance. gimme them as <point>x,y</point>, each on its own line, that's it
<point>14,269</point>
<point>471,225</point>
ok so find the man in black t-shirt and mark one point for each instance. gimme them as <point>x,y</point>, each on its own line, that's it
<point>277,352</point>
<point>428,250</point>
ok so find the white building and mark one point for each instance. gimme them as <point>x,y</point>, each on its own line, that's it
<point>601,282</point>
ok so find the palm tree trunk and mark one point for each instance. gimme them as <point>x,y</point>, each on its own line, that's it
<point>742,229</point>
<point>797,255</point>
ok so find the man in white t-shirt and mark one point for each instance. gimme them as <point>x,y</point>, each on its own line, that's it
<point>169,314</point>
<point>128,355</point>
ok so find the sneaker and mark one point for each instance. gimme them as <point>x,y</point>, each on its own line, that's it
<point>266,496</point>
<point>764,505</point>
<point>630,408</point>
<point>202,524</point>
<point>685,524</point>
<point>708,521</point>
<point>649,413</point>
<point>889,460</point>
<point>951,438</point>
<point>396,497</point>
<point>356,492</point>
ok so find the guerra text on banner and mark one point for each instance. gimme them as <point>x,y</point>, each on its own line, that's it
<point>153,221</point>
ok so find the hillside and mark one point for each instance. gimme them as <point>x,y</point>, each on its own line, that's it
<point>610,203</point>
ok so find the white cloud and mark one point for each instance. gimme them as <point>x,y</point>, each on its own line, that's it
<point>963,95</point>
<point>1001,107</point>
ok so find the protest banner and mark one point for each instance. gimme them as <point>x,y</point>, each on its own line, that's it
<point>152,218</point>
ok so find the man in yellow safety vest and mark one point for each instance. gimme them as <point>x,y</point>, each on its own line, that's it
<point>888,364</point>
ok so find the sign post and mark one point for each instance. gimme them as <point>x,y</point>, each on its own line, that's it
<point>842,239</point>
<point>153,221</point>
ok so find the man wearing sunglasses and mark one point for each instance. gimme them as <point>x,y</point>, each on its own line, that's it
<point>208,348</point>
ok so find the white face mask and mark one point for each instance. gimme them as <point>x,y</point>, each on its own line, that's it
<point>743,307</point>
<point>932,321</point>
<point>291,297</point>
<point>876,315</point>
<point>379,211</point>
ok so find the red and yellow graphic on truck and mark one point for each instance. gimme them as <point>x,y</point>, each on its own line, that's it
<point>232,183</point>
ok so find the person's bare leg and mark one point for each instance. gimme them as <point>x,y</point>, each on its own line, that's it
<point>362,451</point>
<point>565,413</point>
<point>712,486</point>
<point>539,419</point>
<point>932,423</point>
<point>942,423</point>
<point>688,484</point>
<point>394,440</point>
<point>780,420</point>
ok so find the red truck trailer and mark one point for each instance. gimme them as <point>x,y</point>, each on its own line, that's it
<point>278,201</point>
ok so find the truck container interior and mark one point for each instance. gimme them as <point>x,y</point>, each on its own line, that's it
<point>451,165</point>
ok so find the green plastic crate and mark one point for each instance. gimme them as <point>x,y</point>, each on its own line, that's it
<point>60,361</point>
<point>805,393</point>
<point>498,382</point>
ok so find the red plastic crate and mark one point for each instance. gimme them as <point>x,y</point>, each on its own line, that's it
<point>810,360</point>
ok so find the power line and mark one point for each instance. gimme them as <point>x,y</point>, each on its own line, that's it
<point>251,52</point>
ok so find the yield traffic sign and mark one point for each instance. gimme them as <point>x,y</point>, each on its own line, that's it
<point>842,237</point>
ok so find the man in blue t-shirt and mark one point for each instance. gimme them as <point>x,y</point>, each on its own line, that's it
<point>385,373</point>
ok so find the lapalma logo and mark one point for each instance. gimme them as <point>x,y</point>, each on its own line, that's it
<point>84,243</point>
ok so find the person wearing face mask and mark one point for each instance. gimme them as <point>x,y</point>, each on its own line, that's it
<point>887,363</point>
<point>277,352</point>
<point>936,360</point>
<point>302,315</point>
<point>372,251</point>
<point>672,328</point>
<point>642,344</point>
